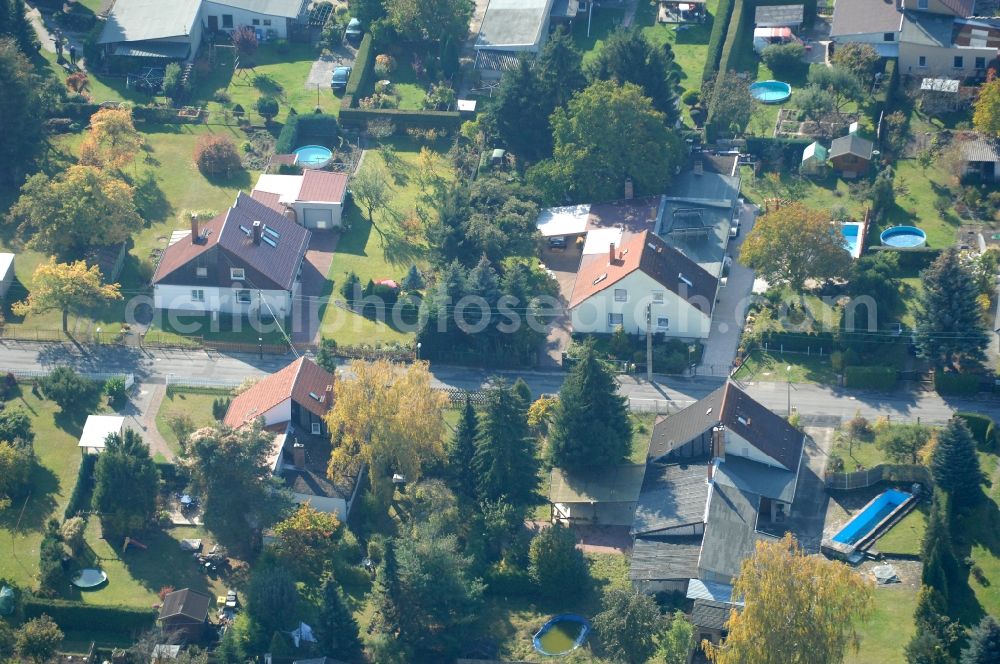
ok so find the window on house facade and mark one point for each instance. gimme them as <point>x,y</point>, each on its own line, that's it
<point>621,295</point>
<point>616,320</point>
<point>959,62</point>
<point>922,4</point>
<point>980,63</point>
<point>255,21</point>
<point>662,322</point>
<point>316,429</point>
<point>267,21</point>
<point>922,61</point>
<point>243,296</point>
<point>201,271</point>
<point>657,297</point>
<point>227,20</point>
<point>888,36</point>
<point>197,295</point>
<point>237,274</point>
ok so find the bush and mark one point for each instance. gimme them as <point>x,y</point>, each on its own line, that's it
<point>956,383</point>
<point>8,386</point>
<point>446,121</point>
<point>222,96</point>
<point>385,64</point>
<point>80,498</point>
<point>691,97</point>
<point>364,64</point>
<point>315,127</point>
<point>67,388</point>
<point>118,619</point>
<point>983,429</point>
<point>784,59</point>
<point>219,407</point>
<point>114,389</point>
<point>216,155</point>
<point>719,25</point>
<point>351,288</point>
<point>175,87</point>
<point>871,378</point>
<point>268,107</point>
<point>245,40</point>
<point>506,581</point>
<point>557,566</point>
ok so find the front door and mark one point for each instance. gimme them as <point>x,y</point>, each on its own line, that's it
<point>213,23</point>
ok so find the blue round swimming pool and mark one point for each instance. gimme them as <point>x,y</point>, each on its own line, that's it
<point>313,156</point>
<point>771,92</point>
<point>903,237</point>
<point>562,634</point>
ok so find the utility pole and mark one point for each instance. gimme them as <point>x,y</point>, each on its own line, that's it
<point>788,375</point>
<point>649,342</point>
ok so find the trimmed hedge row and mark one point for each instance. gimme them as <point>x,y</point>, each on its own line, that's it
<point>321,125</point>
<point>364,65</point>
<point>79,500</point>
<point>983,429</point>
<point>871,378</point>
<point>800,342</point>
<point>403,119</point>
<point>719,24</point>
<point>956,383</point>
<point>734,32</point>
<point>79,616</point>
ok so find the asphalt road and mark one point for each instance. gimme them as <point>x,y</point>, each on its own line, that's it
<point>817,404</point>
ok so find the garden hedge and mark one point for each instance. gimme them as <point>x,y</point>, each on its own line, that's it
<point>403,119</point>
<point>79,500</point>
<point>364,65</point>
<point>79,616</point>
<point>790,148</point>
<point>719,25</point>
<point>312,126</point>
<point>982,428</point>
<point>870,378</point>
<point>956,383</point>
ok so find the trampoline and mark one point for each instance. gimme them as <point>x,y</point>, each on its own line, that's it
<point>90,578</point>
<point>771,92</point>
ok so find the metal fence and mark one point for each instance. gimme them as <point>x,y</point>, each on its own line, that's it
<point>173,380</point>
<point>885,472</point>
<point>97,376</point>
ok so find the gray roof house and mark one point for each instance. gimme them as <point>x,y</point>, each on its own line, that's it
<point>510,28</point>
<point>174,30</point>
<point>720,472</point>
<point>981,157</point>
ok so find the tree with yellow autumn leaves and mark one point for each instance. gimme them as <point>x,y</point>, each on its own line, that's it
<point>66,287</point>
<point>112,142</point>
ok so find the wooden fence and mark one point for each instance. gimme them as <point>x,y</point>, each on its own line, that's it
<point>884,472</point>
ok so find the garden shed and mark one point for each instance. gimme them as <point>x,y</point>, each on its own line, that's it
<point>814,159</point>
<point>96,431</point>
<point>597,496</point>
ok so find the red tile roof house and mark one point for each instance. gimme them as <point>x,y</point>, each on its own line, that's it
<point>245,261</point>
<point>314,199</point>
<point>292,404</point>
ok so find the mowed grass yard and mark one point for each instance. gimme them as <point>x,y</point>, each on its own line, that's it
<point>360,249</point>
<point>195,404</point>
<point>885,635</point>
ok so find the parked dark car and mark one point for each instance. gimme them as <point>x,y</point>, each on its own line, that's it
<point>339,79</point>
<point>353,32</point>
<point>557,243</point>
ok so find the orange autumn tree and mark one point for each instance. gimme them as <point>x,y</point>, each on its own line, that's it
<point>798,609</point>
<point>389,419</point>
<point>66,287</point>
<point>112,141</point>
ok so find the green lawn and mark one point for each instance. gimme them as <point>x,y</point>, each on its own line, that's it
<point>176,328</point>
<point>195,404</point>
<point>21,525</point>
<point>916,192</point>
<point>905,536</point>
<point>689,45</point>
<point>886,634</point>
<point>863,454</point>
<point>589,36</point>
<point>763,366</point>
<point>360,250</point>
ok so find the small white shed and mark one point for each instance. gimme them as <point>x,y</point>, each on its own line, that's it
<point>96,432</point>
<point>6,273</point>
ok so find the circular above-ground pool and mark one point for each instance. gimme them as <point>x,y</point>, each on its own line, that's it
<point>771,92</point>
<point>561,634</point>
<point>89,578</point>
<point>313,156</point>
<point>903,237</point>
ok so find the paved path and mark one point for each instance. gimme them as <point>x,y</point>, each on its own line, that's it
<point>49,42</point>
<point>140,415</point>
<point>315,268</point>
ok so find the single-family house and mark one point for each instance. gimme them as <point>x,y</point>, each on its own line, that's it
<point>245,261</point>
<point>96,430</point>
<point>814,158</point>
<point>292,404</point>
<point>184,613</point>
<point>510,28</point>
<point>779,16</point>
<point>722,475</point>
<point>764,37</point>
<point>174,30</point>
<point>851,155</point>
<point>981,158</point>
<point>874,22</point>
<point>596,496</point>
<point>314,199</point>
<point>7,275</point>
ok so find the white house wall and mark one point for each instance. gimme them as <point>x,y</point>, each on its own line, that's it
<point>591,315</point>
<point>279,24</point>
<point>736,445</point>
<point>300,208</point>
<point>278,414</point>
<point>221,300</point>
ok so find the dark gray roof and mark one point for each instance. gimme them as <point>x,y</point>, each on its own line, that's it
<point>680,428</point>
<point>730,531</point>
<point>655,560</point>
<point>753,477</point>
<point>927,29</point>
<point>981,148</point>
<point>280,263</point>
<point>309,483</point>
<point>710,615</point>
<point>169,50</point>
<point>618,484</point>
<point>779,15</point>
<point>510,23</point>
<point>851,144</point>
<point>188,603</point>
<point>671,496</point>
<point>859,17</point>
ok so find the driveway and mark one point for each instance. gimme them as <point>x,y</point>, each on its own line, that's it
<point>322,70</point>
<point>315,268</point>
<point>809,507</point>
<point>731,308</point>
<point>563,265</point>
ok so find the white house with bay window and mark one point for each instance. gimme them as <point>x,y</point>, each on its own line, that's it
<point>245,262</point>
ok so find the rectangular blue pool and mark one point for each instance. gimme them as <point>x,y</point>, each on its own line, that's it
<point>851,230</point>
<point>872,515</point>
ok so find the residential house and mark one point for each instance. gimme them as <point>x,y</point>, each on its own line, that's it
<point>779,16</point>
<point>596,496</point>
<point>245,261</point>
<point>314,199</point>
<point>851,155</point>
<point>722,475</point>
<point>174,31</point>
<point>7,275</point>
<point>292,404</point>
<point>981,158</point>
<point>96,430</point>
<point>814,159</point>
<point>667,253</point>
<point>184,613</point>
<point>510,28</point>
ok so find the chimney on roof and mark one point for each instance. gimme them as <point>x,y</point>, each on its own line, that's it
<point>611,254</point>
<point>194,228</point>
<point>256,232</point>
<point>719,442</point>
<point>299,454</point>
<point>629,189</point>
